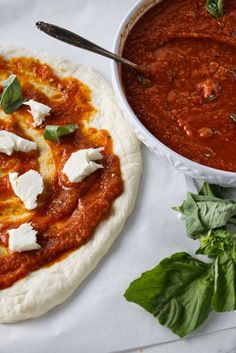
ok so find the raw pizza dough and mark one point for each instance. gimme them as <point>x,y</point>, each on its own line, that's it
<point>45,288</point>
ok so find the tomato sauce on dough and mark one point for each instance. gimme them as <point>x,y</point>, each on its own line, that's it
<point>190,102</point>
<point>67,213</point>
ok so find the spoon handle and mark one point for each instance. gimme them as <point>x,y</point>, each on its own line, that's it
<point>78,41</point>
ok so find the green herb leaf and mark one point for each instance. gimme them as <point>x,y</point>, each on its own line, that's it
<point>11,98</point>
<point>216,242</point>
<point>144,80</point>
<point>178,291</point>
<point>212,98</point>
<point>224,297</point>
<point>53,132</point>
<point>204,213</point>
<point>215,7</point>
<point>212,190</point>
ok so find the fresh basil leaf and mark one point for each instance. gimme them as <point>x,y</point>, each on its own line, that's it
<point>215,7</point>
<point>54,132</point>
<point>224,297</point>
<point>11,98</point>
<point>178,291</point>
<point>216,242</point>
<point>212,190</point>
<point>204,213</point>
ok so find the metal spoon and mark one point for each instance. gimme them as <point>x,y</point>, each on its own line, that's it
<point>78,41</point>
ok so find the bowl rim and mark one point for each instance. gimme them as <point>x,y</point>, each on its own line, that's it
<point>117,86</point>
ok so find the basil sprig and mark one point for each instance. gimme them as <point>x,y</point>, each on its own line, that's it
<point>215,7</point>
<point>11,97</point>
<point>54,132</point>
<point>181,290</point>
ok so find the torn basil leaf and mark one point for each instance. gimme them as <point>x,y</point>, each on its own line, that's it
<point>215,7</point>
<point>145,82</point>
<point>178,292</point>
<point>204,213</point>
<point>54,132</point>
<point>11,97</point>
<point>212,98</point>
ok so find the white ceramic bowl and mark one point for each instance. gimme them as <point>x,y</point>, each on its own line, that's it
<point>190,168</point>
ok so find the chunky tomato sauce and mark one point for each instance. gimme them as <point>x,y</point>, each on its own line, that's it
<point>190,102</point>
<point>67,214</point>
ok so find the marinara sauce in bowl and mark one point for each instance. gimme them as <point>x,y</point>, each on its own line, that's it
<point>186,109</point>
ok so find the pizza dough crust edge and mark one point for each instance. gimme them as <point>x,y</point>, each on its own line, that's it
<point>47,287</point>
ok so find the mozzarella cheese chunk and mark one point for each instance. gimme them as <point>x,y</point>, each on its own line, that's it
<point>81,164</point>
<point>10,142</point>
<point>38,111</point>
<point>27,187</point>
<point>23,238</point>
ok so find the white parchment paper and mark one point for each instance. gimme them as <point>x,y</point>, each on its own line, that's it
<point>97,319</point>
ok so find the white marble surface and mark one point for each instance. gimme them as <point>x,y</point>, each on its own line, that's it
<point>98,21</point>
